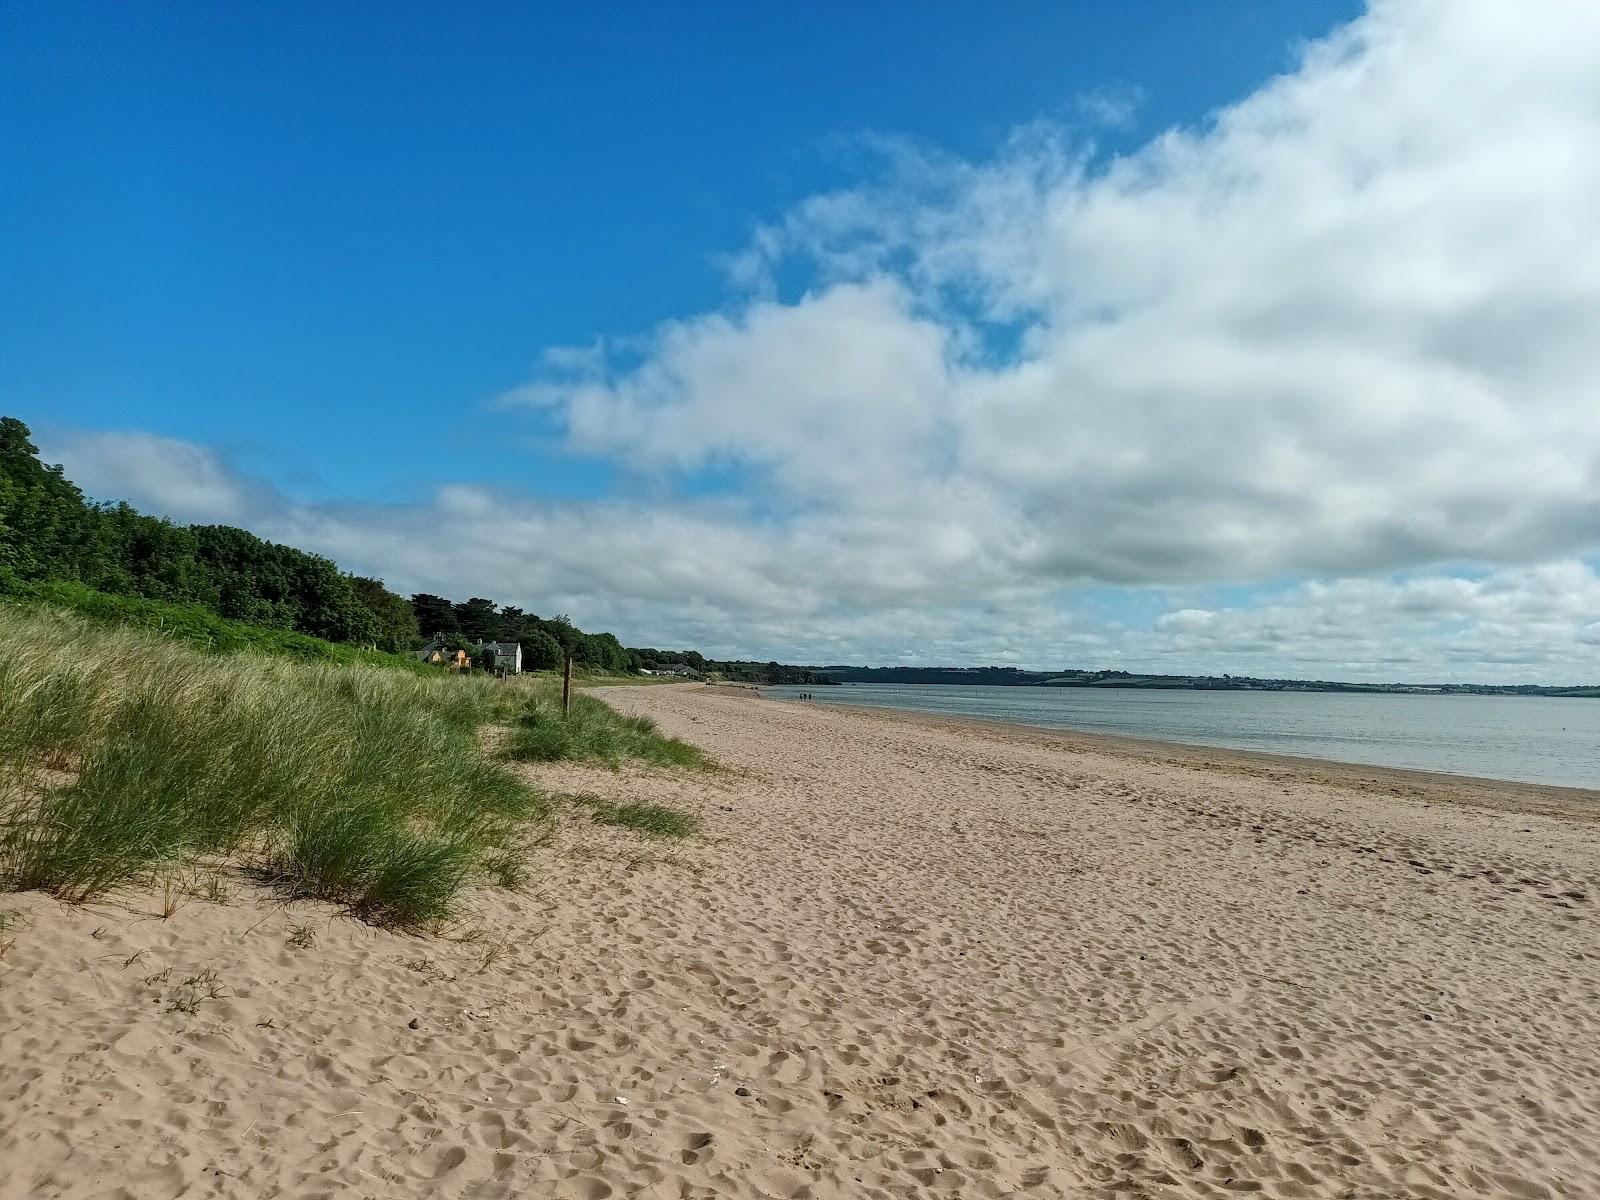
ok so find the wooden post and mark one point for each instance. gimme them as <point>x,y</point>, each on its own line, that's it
<point>566,685</point>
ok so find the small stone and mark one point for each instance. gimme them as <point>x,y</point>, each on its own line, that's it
<point>741,1091</point>
<point>414,1023</point>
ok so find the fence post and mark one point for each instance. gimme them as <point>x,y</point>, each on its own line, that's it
<point>566,685</point>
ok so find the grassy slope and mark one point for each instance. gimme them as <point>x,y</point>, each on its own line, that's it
<point>124,753</point>
<point>199,627</point>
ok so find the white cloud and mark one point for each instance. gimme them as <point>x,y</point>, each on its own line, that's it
<point>1344,331</point>
<point>1113,108</point>
<point>761,386</point>
<point>1185,620</point>
<point>1344,328</point>
<point>170,477</point>
<point>1521,623</point>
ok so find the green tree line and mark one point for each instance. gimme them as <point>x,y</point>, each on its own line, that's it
<point>50,533</point>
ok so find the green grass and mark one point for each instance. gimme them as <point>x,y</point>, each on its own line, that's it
<point>199,627</point>
<point>592,732</point>
<point>124,754</point>
<point>655,819</point>
<point>624,679</point>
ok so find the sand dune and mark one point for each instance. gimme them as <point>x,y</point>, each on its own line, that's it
<point>905,958</point>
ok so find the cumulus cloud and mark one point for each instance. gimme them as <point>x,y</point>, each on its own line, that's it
<point>1340,331</point>
<point>1342,328</point>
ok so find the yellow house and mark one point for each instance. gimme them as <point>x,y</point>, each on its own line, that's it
<point>436,652</point>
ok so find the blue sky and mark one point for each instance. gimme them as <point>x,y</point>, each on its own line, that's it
<point>1234,336</point>
<point>286,230</point>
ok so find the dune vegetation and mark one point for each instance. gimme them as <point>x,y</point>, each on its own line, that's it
<point>125,754</point>
<point>592,730</point>
<point>657,820</point>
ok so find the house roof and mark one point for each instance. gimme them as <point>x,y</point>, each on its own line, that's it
<point>435,644</point>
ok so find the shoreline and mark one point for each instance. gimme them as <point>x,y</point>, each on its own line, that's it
<point>1481,791</point>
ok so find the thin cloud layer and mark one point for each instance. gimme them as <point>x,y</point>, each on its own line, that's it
<point>1343,332</point>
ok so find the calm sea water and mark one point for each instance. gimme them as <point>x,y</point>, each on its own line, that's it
<point>1526,738</point>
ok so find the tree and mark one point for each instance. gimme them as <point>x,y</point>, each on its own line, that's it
<point>267,584</point>
<point>48,530</point>
<point>604,651</point>
<point>395,621</point>
<point>149,556</point>
<point>435,615</point>
<point>540,651</point>
<point>570,638</point>
<point>478,619</point>
<point>327,604</point>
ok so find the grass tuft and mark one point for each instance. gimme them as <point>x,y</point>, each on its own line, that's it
<point>595,732</point>
<point>657,820</point>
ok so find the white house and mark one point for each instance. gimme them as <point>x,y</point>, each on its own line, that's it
<point>507,655</point>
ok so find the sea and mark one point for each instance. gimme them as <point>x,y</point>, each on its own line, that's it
<point>1530,739</point>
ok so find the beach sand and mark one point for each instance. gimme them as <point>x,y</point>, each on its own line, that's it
<point>905,957</point>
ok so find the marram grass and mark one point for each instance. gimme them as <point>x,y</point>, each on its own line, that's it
<point>593,731</point>
<point>123,754</point>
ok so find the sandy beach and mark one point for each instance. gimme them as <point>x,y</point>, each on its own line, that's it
<point>906,957</point>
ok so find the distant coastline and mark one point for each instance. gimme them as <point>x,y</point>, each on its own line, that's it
<point>1553,741</point>
<point>1015,677</point>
